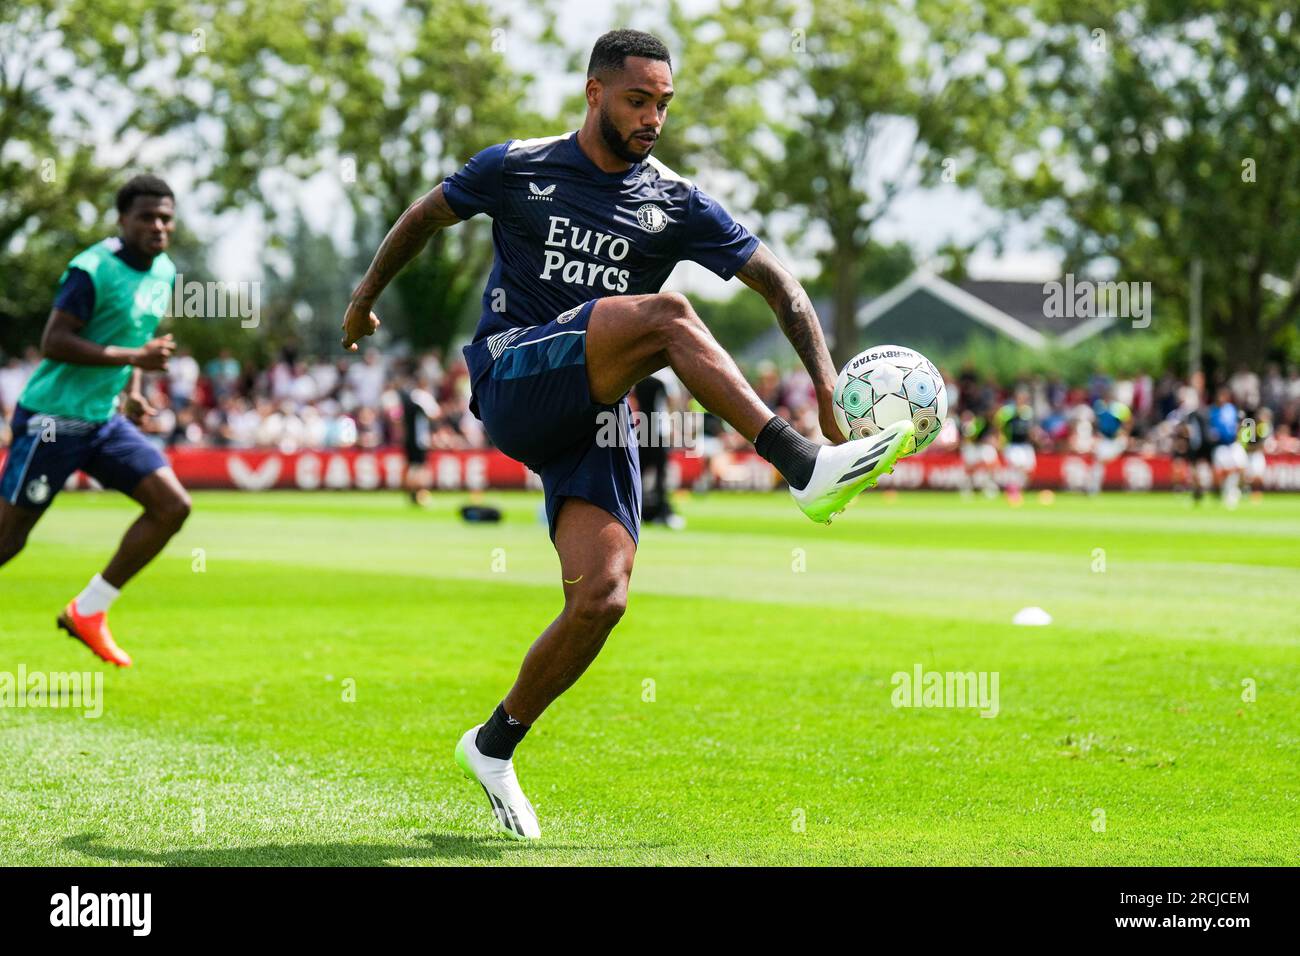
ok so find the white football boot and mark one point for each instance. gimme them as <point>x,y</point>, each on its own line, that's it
<point>514,814</point>
<point>842,471</point>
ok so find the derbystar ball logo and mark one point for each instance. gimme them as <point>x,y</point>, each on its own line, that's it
<point>542,194</point>
<point>868,357</point>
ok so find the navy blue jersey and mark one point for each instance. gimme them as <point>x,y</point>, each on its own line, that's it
<point>566,232</point>
<point>77,295</point>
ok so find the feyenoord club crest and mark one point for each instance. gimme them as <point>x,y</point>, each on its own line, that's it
<point>38,490</point>
<point>651,218</point>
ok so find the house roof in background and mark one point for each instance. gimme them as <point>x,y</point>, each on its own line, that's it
<point>922,282</point>
<point>1009,307</point>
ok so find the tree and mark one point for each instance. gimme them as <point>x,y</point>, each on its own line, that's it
<point>51,186</point>
<point>226,92</point>
<point>826,107</point>
<point>250,100</point>
<point>884,265</point>
<point>454,93</point>
<point>1157,135</point>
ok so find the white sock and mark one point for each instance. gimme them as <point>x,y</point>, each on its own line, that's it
<point>1096,478</point>
<point>98,596</point>
<point>1232,490</point>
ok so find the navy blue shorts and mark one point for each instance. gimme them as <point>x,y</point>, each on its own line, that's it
<point>47,449</point>
<point>532,395</point>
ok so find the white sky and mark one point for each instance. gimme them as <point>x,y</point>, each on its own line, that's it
<point>925,219</point>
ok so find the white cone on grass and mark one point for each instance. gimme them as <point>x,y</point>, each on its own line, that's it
<point>1032,617</point>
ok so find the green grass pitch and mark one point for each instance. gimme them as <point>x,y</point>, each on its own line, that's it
<point>741,713</point>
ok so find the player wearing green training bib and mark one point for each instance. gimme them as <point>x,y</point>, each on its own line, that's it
<point>100,337</point>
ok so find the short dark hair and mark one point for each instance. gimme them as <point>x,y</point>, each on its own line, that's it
<point>614,47</point>
<point>142,185</point>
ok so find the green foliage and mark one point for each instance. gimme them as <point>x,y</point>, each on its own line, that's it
<point>883,266</point>
<point>1122,352</point>
<point>205,337</point>
<point>859,106</point>
<point>1146,138</point>
<point>307,277</point>
<point>53,193</point>
<point>248,99</point>
<point>247,84</point>
<point>224,91</point>
<point>454,93</point>
<point>1152,136</point>
<point>737,321</point>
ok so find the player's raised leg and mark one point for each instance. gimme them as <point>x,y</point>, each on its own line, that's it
<point>166,506</point>
<point>629,337</point>
<point>596,554</point>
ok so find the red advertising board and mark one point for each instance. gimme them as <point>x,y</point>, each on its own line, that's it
<point>261,470</point>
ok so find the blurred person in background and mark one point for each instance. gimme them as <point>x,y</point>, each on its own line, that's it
<point>187,430</point>
<point>1198,440</point>
<point>798,392</point>
<point>223,371</point>
<point>418,411</point>
<point>1255,434</point>
<point>370,428</point>
<point>1283,441</point>
<point>653,396</point>
<point>1272,390</point>
<point>303,388</point>
<point>1245,388</point>
<point>1229,455</point>
<point>1113,424</point>
<point>325,375</point>
<point>279,377</point>
<point>314,427</point>
<point>431,368</point>
<point>1015,420</point>
<point>182,378</point>
<point>366,379</point>
<point>1054,428</point>
<point>768,385</point>
<point>979,454</point>
<point>340,430</point>
<point>1292,384</point>
<point>13,375</point>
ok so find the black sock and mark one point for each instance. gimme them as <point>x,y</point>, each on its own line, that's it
<point>500,735</point>
<point>793,455</point>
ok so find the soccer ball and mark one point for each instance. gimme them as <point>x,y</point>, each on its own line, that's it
<point>887,384</point>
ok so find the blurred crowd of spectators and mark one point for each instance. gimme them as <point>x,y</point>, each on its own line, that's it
<point>304,402</point>
<point>296,403</point>
<point>1057,416</point>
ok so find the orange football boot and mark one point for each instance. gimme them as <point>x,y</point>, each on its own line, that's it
<point>92,630</point>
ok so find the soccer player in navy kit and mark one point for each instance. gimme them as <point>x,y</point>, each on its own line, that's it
<point>586,228</point>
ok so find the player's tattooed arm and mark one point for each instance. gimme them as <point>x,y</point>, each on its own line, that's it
<point>765,274</point>
<point>409,235</point>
